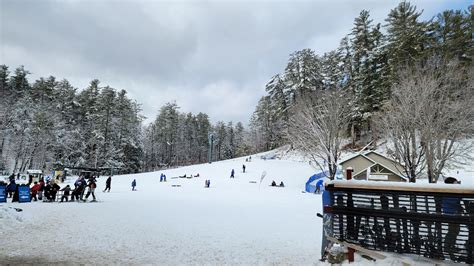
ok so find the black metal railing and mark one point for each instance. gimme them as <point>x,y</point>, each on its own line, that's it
<point>437,225</point>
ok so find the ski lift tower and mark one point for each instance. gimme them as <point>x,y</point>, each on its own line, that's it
<point>211,144</point>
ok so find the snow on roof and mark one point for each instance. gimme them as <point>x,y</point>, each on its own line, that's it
<point>355,156</point>
<point>420,186</point>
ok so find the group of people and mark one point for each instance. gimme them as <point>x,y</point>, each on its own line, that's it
<point>232,172</point>
<point>47,190</point>
<point>162,177</point>
<point>274,184</point>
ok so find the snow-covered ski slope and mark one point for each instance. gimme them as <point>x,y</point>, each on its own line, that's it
<point>232,222</point>
<point>235,221</point>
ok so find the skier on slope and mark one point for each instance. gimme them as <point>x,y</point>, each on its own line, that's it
<point>243,168</point>
<point>232,174</point>
<point>134,184</point>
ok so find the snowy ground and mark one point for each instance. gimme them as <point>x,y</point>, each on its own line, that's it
<point>233,222</point>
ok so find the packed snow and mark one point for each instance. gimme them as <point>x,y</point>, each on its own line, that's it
<point>235,221</point>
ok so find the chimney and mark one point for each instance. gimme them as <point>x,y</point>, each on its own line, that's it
<point>349,171</point>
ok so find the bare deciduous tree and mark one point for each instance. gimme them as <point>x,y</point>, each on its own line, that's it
<point>430,111</point>
<point>317,127</point>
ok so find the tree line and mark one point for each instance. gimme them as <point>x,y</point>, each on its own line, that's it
<point>49,124</point>
<point>405,81</point>
<point>176,139</point>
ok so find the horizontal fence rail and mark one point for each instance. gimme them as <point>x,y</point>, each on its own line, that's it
<point>438,225</point>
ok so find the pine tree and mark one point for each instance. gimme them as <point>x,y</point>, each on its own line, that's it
<point>166,125</point>
<point>407,39</point>
<point>452,33</point>
<point>332,70</point>
<point>302,74</point>
<point>279,101</point>
<point>203,129</point>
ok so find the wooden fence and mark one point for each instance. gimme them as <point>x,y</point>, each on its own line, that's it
<point>435,221</point>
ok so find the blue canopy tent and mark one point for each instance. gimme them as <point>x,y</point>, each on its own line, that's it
<point>314,181</point>
<point>317,180</point>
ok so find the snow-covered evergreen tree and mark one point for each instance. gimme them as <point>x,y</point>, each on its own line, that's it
<point>302,74</point>
<point>407,38</point>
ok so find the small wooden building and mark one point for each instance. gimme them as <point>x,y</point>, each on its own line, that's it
<point>373,166</point>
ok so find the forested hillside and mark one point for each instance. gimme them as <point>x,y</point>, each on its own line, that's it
<point>365,66</point>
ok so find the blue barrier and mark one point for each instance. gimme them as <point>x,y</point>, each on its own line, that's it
<point>3,193</point>
<point>24,194</point>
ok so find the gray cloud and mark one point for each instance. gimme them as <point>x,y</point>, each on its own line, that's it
<point>212,57</point>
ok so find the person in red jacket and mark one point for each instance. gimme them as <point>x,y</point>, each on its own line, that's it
<point>34,190</point>
<point>41,189</point>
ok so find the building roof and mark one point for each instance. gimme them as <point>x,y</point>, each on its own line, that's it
<point>374,163</point>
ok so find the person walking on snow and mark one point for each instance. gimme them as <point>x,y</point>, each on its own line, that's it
<point>92,185</point>
<point>41,189</point>
<point>34,190</point>
<point>134,184</point>
<point>107,183</point>
<point>232,174</point>
<point>243,168</point>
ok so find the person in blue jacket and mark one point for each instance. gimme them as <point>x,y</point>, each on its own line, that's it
<point>134,184</point>
<point>232,174</point>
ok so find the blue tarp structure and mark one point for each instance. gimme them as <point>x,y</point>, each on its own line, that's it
<point>318,180</point>
<point>315,180</point>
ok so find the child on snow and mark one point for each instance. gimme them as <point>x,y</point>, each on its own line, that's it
<point>92,185</point>
<point>34,190</point>
<point>134,184</point>
<point>67,191</point>
<point>41,189</point>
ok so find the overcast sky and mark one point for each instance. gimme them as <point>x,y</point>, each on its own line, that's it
<point>208,56</point>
